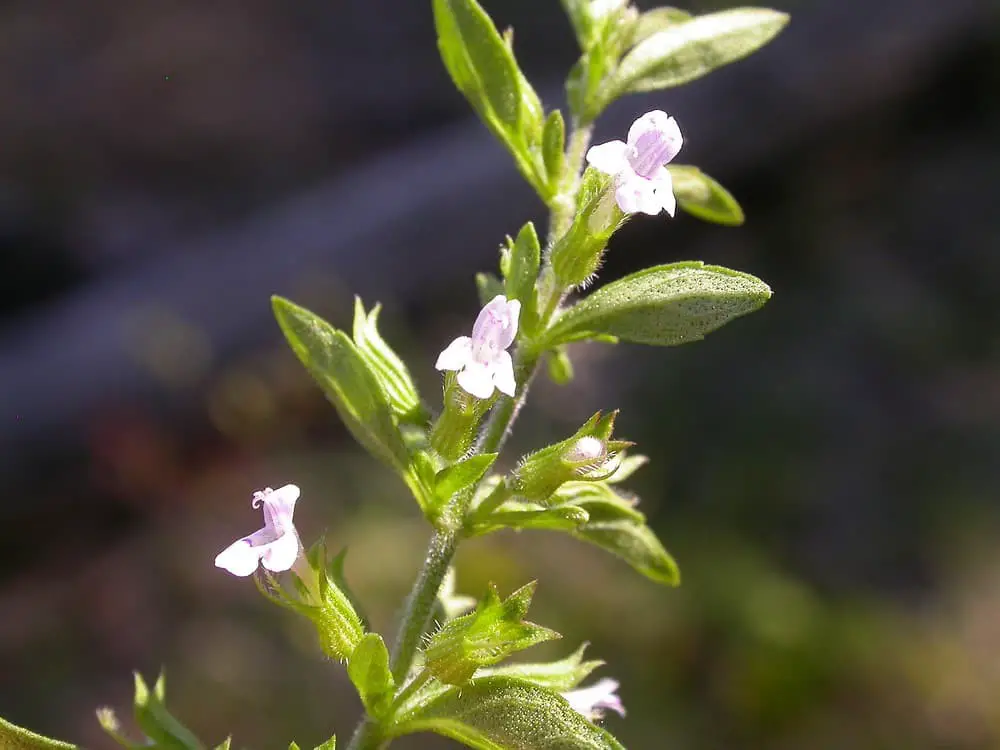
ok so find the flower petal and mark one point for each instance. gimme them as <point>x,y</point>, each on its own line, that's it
<point>495,326</point>
<point>280,554</point>
<point>609,157</point>
<point>663,186</point>
<point>654,139</point>
<point>456,355</point>
<point>279,506</point>
<point>503,374</point>
<point>636,194</point>
<point>239,558</point>
<point>476,379</point>
<point>592,701</point>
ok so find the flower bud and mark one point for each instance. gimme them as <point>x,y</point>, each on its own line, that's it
<point>589,455</point>
<point>494,631</point>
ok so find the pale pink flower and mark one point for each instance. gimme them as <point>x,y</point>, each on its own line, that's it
<point>276,546</point>
<point>482,360</point>
<point>594,700</point>
<point>642,181</point>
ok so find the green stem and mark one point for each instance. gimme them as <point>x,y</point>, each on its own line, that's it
<point>420,602</point>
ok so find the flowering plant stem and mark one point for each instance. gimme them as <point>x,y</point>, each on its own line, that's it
<point>444,542</point>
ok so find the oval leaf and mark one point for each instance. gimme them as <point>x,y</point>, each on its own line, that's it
<point>663,305</point>
<point>335,363</point>
<point>688,50</point>
<point>504,713</point>
<point>703,197</point>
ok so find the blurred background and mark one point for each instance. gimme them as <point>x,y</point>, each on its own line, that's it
<point>826,471</point>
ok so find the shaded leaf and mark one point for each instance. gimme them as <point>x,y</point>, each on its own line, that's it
<point>561,675</point>
<point>504,713</point>
<point>156,722</point>
<point>703,197</point>
<point>368,668</point>
<point>462,475</point>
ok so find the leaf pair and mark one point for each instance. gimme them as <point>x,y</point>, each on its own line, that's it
<point>364,379</point>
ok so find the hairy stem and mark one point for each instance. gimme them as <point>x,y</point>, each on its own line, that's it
<point>441,551</point>
<point>565,202</point>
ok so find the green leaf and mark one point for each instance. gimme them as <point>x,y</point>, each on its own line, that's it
<point>388,369</point>
<point>559,366</point>
<point>293,745</point>
<point>479,62</point>
<point>553,143</point>
<point>494,631</point>
<point>703,197</point>
<point>628,466</point>
<point>335,363</point>
<point>488,286</point>
<point>655,20</point>
<point>15,738</point>
<point>166,732</point>
<point>580,16</point>
<point>368,669</point>
<point>225,744</point>
<point>336,571</point>
<point>330,744</point>
<point>600,500</point>
<point>663,305</point>
<point>482,66</point>
<point>462,475</point>
<point>685,51</point>
<point>633,542</point>
<point>522,274</point>
<point>561,675</point>
<point>561,518</point>
<point>504,713</point>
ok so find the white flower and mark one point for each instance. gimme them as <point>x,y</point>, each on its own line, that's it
<point>642,182</point>
<point>482,361</point>
<point>593,701</point>
<point>276,546</point>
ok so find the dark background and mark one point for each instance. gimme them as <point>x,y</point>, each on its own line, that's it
<point>826,471</point>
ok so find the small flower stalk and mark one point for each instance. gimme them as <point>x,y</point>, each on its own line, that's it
<point>595,700</point>
<point>642,183</point>
<point>276,546</point>
<point>481,361</point>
